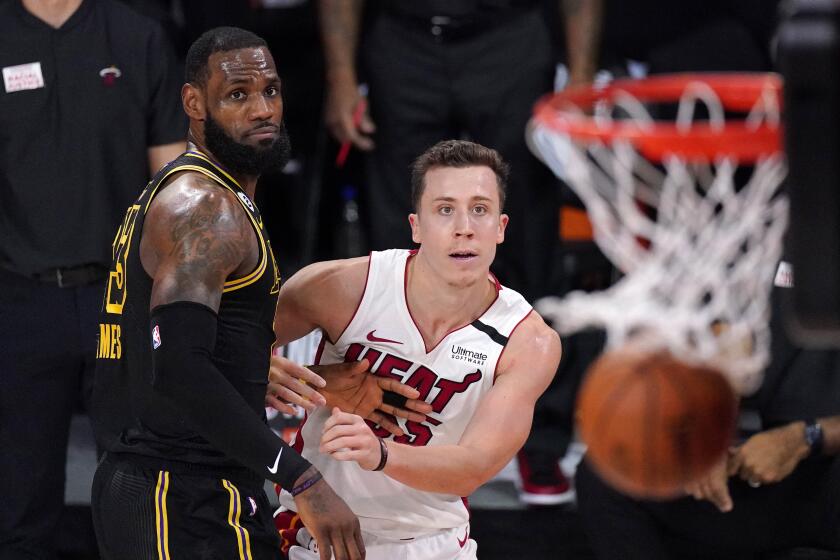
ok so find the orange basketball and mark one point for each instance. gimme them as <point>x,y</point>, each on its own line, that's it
<point>653,423</point>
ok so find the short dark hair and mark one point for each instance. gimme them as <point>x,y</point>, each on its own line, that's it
<point>219,39</point>
<point>457,153</point>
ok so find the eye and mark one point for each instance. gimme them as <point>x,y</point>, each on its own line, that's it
<point>271,91</point>
<point>480,210</point>
<point>237,95</point>
<point>445,210</point>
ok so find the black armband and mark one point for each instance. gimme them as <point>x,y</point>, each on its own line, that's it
<point>183,335</point>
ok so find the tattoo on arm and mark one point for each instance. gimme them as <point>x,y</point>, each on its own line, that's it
<point>208,238</point>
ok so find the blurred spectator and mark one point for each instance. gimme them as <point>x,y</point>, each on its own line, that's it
<point>90,109</point>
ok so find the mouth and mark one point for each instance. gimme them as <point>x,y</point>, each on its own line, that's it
<point>463,256</point>
<point>264,133</point>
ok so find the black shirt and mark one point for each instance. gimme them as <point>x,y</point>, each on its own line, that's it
<point>73,151</point>
<point>454,8</point>
<point>128,417</point>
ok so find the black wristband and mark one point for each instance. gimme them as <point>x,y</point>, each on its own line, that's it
<point>383,449</point>
<point>394,399</point>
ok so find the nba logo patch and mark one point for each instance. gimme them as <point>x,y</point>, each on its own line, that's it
<point>156,337</point>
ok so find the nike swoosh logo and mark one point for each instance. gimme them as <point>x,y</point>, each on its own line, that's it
<point>273,470</point>
<point>461,543</point>
<point>371,337</point>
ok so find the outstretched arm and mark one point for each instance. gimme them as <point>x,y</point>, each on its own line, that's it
<point>495,433</point>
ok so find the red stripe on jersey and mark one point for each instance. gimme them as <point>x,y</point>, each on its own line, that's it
<point>320,351</point>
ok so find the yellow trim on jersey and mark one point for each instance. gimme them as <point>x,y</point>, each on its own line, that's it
<point>199,155</point>
<point>255,275</point>
<point>243,540</point>
<point>161,519</point>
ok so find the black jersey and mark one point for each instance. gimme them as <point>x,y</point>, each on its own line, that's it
<point>128,416</point>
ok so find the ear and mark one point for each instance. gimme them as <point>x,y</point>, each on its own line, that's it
<point>503,222</point>
<point>414,221</point>
<point>194,104</point>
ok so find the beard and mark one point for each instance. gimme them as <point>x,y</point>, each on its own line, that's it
<point>241,159</point>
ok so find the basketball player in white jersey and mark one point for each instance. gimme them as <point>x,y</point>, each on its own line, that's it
<point>437,320</point>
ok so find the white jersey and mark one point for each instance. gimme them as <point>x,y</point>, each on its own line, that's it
<point>453,377</point>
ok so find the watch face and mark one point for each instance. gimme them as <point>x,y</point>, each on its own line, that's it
<point>813,435</point>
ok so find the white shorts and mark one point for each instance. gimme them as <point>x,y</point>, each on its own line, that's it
<point>450,544</point>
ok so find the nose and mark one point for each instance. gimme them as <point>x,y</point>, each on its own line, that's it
<point>261,109</point>
<point>463,225</point>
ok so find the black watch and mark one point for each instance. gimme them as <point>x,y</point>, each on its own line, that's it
<point>814,436</point>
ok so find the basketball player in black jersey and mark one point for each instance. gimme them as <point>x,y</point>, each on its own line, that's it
<point>185,338</point>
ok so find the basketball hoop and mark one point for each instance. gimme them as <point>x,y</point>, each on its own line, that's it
<point>698,248</point>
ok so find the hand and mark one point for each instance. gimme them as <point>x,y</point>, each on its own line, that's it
<point>352,389</point>
<point>293,384</point>
<point>713,487</point>
<point>770,456</point>
<point>346,437</point>
<point>342,102</point>
<point>329,520</point>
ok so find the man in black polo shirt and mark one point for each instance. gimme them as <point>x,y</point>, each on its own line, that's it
<point>89,109</point>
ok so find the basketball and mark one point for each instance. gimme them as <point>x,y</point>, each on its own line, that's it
<point>652,423</point>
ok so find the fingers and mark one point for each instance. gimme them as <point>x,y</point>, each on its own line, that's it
<point>360,544</point>
<point>719,495</point>
<point>360,125</point>
<point>347,544</point>
<point>394,399</point>
<point>403,413</point>
<point>693,490</point>
<point>338,417</point>
<point>280,406</point>
<point>419,406</point>
<point>367,126</point>
<point>282,368</point>
<point>339,437</point>
<point>325,552</point>
<point>299,394</point>
<point>358,139</point>
<point>338,546</point>
<point>394,386</point>
<point>344,128</point>
<point>401,400</point>
<point>360,367</point>
<point>384,422</point>
<point>736,461</point>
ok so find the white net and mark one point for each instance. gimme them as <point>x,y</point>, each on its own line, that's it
<point>698,242</point>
